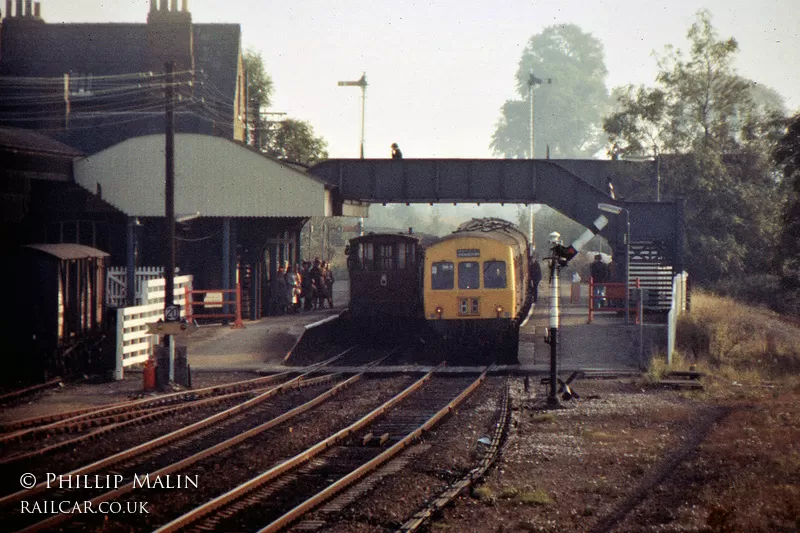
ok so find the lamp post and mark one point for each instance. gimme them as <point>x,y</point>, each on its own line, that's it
<point>532,81</point>
<point>616,210</point>
<point>363,84</point>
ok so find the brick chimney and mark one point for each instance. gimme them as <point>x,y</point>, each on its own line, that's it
<point>23,9</point>
<point>169,35</point>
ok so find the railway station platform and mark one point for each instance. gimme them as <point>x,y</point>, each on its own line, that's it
<point>260,344</point>
<point>607,345</point>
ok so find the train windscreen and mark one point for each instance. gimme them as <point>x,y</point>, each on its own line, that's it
<point>442,275</point>
<point>494,274</point>
<point>469,275</point>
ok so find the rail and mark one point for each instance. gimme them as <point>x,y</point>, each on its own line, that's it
<point>215,449</point>
<point>254,483</point>
<point>600,294</point>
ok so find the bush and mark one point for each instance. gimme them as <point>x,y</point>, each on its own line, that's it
<point>761,289</point>
<point>737,338</point>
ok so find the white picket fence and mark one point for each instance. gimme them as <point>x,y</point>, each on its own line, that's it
<point>117,284</point>
<point>134,343</point>
<point>677,308</point>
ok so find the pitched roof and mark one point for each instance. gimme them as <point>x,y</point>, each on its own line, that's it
<point>30,141</point>
<point>36,49</point>
<point>68,250</point>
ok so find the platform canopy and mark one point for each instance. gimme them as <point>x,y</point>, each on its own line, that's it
<point>214,177</point>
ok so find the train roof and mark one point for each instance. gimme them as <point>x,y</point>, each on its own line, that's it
<point>489,228</point>
<point>386,236</point>
<point>506,238</point>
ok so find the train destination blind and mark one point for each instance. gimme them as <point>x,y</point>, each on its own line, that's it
<point>468,252</point>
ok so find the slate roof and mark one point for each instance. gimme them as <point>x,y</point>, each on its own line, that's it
<point>30,141</point>
<point>39,49</point>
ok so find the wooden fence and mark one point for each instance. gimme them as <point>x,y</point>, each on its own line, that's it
<point>679,305</point>
<point>134,343</point>
<point>117,284</point>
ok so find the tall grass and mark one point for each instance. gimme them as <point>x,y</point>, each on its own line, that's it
<point>740,342</point>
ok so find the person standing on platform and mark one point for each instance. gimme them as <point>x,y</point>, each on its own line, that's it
<point>298,288</point>
<point>329,283</point>
<point>307,287</point>
<point>278,290</point>
<point>317,281</point>
<point>291,289</point>
<point>599,272</point>
<point>536,278</point>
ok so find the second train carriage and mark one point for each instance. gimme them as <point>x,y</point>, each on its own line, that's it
<point>385,282</point>
<point>477,290</point>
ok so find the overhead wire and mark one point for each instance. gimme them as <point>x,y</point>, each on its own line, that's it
<point>122,99</point>
<point>110,96</point>
<point>59,80</point>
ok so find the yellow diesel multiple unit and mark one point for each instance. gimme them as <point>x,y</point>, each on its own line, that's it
<point>476,289</point>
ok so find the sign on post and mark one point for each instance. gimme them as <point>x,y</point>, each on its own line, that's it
<point>171,328</point>
<point>172,313</point>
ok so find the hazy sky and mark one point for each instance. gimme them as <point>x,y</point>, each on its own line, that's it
<point>438,72</point>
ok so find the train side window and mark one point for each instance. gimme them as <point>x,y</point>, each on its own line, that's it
<point>386,257</point>
<point>442,275</point>
<point>405,256</point>
<point>365,253</point>
<point>494,274</point>
<point>469,275</point>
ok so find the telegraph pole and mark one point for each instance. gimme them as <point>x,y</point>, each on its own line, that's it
<point>169,209</point>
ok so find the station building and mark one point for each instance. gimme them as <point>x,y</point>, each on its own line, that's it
<point>82,142</point>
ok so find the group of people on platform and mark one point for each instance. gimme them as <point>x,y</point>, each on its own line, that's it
<point>307,286</point>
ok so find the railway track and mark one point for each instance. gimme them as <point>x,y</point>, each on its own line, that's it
<point>92,430</point>
<point>49,425</point>
<point>297,485</point>
<point>42,436</point>
<point>490,455</point>
<point>16,394</point>
<point>178,450</point>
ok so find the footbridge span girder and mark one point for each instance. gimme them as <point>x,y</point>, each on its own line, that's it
<point>504,181</point>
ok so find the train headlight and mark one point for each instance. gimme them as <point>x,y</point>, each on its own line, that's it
<point>499,310</point>
<point>439,311</point>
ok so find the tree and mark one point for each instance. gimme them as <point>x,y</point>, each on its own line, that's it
<point>568,112</point>
<point>640,125</point>
<point>290,140</point>
<point>714,126</point>
<point>787,157</point>
<point>259,94</point>
<point>294,140</point>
